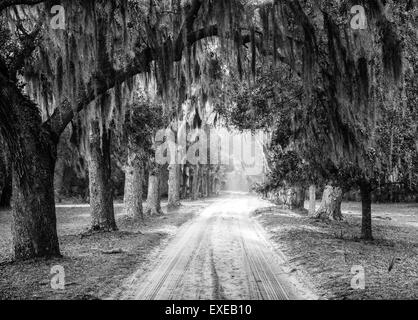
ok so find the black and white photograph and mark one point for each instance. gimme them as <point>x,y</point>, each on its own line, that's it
<point>208,154</point>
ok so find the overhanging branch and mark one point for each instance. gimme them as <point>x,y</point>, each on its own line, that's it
<point>64,113</point>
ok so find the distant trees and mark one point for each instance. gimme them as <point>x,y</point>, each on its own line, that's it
<point>135,149</point>
<point>273,103</point>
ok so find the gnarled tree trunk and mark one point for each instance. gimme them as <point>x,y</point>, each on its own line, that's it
<point>134,174</point>
<point>312,200</point>
<point>34,221</point>
<point>153,206</point>
<point>33,153</point>
<point>101,189</point>
<point>330,207</point>
<point>33,206</point>
<point>173,186</point>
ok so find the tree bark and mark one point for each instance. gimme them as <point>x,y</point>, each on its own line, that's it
<point>330,207</point>
<point>312,200</point>
<point>298,200</point>
<point>195,182</point>
<point>366,208</point>
<point>205,180</point>
<point>59,179</point>
<point>101,189</point>
<point>200,182</point>
<point>203,185</point>
<point>184,182</point>
<point>173,186</point>
<point>207,166</point>
<point>7,190</point>
<point>153,206</point>
<point>134,174</point>
<point>34,220</point>
<point>292,198</point>
<point>178,181</point>
<point>33,153</point>
<point>209,182</point>
<point>33,205</point>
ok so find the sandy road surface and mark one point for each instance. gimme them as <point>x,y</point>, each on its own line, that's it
<point>221,254</point>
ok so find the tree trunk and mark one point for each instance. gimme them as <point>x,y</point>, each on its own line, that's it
<point>216,186</point>
<point>366,208</point>
<point>209,182</point>
<point>199,182</point>
<point>330,207</point>
<point>33,155</point>
<point>7,190</point>
<point>195,183</point>
<point>134,174</point>
<point>153,206</point>
<point>205,180</point>
<point>178,181</point>
<point>293,198</point>
<point>299,198</point>
<point>184,180</point>
<point>202,181</point>
<point>34,221</point>
<point>312,200</point>
<point>173,186</point>
<point>207,166</point>
<point>101,189</point>
<point>59,179</point>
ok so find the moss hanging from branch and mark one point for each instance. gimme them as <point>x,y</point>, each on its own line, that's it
<point>336,64</point>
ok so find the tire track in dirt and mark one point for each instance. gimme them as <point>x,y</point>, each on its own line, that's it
<point>218,292</point>
<point>170,274</point>
<point>220,254</point>
<point>268,287</point>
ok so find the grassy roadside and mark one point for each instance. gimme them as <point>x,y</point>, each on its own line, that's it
<point>326,251</point>
<point>94,264</point>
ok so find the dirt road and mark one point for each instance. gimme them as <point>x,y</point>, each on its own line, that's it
<point>221,254</point>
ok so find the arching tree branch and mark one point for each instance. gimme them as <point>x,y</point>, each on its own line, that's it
<point>65,112</point>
